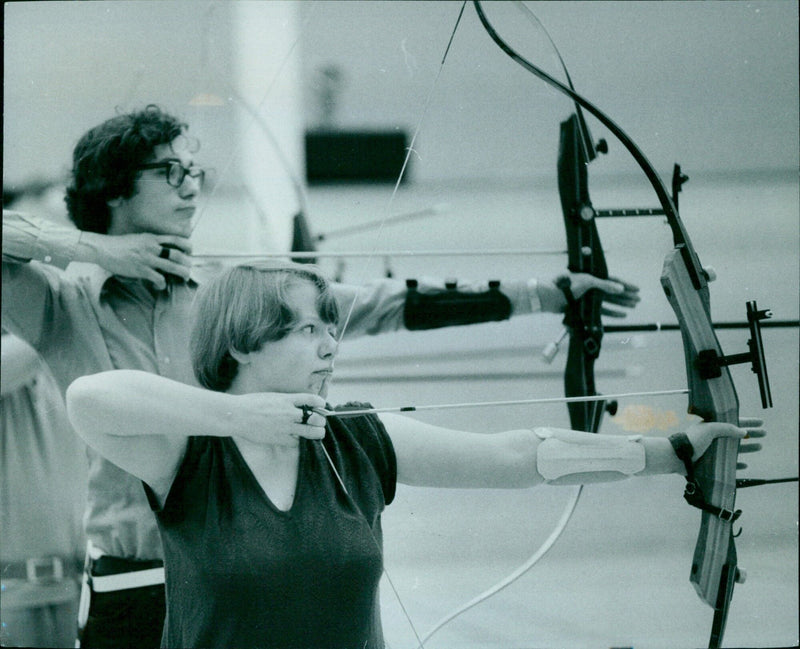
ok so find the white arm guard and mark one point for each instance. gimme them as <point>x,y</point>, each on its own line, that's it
<point>573,457</point>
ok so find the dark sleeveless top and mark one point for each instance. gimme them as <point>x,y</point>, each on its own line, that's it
<point>241,573</point>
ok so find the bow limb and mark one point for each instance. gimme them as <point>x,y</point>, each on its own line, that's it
<point>519,572</point>
<point>714,566</point>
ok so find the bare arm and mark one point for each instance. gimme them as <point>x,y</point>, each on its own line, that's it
<point>432,456</point>
<point>141,421</point>
<point>438,457</point>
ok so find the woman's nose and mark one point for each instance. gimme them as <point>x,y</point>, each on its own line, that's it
<point>328,346</point>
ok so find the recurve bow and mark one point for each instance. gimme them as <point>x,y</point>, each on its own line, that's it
<point>712,487</point>
<point>712,394</point>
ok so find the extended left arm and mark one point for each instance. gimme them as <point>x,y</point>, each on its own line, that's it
<point>388,305</point>
<point>439,457</point>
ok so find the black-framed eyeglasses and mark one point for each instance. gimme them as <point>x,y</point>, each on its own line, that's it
<point>175,172</point>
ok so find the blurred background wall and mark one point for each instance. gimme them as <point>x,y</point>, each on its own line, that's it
<point>712,84</point>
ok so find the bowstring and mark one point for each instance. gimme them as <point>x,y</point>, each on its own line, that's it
<point>401,175</point>
<point>359,288</point>
<point>255,120</point>
<point>377,543</point>
<point>575,497</point>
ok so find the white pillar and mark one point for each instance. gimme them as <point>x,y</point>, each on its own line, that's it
<point>266,72</point>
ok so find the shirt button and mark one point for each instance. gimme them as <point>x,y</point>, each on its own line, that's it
<point>166,359</point>
<point>48,259</point>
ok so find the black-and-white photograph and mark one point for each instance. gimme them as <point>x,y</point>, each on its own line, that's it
<point>400,324</point>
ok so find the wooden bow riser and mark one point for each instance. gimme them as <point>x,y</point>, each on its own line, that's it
<point>713,399</point>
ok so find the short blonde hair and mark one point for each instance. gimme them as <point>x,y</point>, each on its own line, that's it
<point>244,307</point>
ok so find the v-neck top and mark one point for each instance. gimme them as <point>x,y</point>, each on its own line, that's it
<point>240,572</point>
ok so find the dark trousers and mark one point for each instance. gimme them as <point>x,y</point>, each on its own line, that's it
<point>124,619</point>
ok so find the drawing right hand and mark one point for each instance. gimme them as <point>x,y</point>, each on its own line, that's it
<point>139,255</point>
<point>277,418</point>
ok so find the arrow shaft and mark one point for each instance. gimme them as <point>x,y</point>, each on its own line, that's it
<point>512,402</point>
<point>385,253</point>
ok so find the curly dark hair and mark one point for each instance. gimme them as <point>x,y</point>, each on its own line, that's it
<point>105,161</point>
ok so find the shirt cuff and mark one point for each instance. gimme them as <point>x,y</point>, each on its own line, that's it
<point>524,296</point>
<point>533,295</point>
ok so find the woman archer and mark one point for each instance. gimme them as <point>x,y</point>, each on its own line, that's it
<point>272,534</point>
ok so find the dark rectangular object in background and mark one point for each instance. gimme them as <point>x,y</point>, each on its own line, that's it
<point>334,156</point>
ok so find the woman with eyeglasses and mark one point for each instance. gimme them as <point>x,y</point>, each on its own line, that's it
<point>272,533</point>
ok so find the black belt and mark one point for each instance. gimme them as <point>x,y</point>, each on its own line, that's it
<point>108,565</point>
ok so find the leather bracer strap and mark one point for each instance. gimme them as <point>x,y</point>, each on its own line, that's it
<point>693,494</point>
<point>448,307</point>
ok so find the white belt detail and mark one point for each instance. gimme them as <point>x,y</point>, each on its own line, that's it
<point>126,580</point>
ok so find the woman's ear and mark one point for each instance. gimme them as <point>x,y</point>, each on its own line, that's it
<point>243,358</point>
